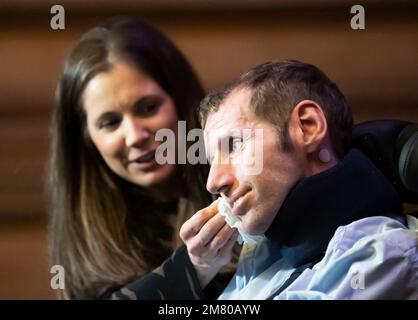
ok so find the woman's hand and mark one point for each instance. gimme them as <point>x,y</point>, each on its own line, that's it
<point>209,242</point>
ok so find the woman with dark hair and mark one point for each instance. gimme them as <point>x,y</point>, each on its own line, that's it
<point>115,212</point>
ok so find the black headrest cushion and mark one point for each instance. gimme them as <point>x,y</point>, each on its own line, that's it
<point>392,146</point>
<point>407,148</point>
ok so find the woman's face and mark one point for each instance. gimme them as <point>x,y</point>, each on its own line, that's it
<point>125,108</point>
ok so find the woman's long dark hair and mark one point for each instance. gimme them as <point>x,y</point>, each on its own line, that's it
<point>105,231</point>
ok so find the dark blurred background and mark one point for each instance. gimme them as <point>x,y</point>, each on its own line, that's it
<point>376,68</point>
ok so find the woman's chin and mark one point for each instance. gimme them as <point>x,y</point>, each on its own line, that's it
<point>154,178</point>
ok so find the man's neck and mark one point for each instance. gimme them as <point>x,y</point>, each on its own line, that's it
<point>316,206</point>
<point>321,160</point>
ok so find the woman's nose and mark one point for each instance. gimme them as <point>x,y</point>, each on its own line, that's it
<point>136,132</point>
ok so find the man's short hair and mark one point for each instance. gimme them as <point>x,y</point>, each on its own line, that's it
<point>277,87</point>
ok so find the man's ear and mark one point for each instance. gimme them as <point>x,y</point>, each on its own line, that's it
<point>309,125</point>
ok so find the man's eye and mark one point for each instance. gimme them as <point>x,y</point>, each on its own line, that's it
<point>235,144</point>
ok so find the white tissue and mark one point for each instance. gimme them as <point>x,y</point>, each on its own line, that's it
<point>235,222</point>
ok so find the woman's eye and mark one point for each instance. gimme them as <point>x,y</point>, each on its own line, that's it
<point>148,109</point>
<point>109,124</point>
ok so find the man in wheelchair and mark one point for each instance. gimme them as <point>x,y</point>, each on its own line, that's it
<point>329,201</point>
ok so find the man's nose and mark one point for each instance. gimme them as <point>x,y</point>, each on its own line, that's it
<point>221,178</point>
<point>136,132</point>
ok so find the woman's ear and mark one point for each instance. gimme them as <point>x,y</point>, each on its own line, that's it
<point>309,124</point>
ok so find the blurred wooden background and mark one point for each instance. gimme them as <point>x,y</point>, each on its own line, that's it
<point>376,68</point>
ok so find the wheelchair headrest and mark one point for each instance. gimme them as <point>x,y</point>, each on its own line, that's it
<point>392,146</point>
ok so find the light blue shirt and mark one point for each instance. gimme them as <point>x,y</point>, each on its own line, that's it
<point>371,258</point>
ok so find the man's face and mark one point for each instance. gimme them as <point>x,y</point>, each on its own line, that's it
<point>255,199</point>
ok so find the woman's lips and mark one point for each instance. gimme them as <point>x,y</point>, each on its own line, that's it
<point>149,156</point>
<point>146,161</point>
